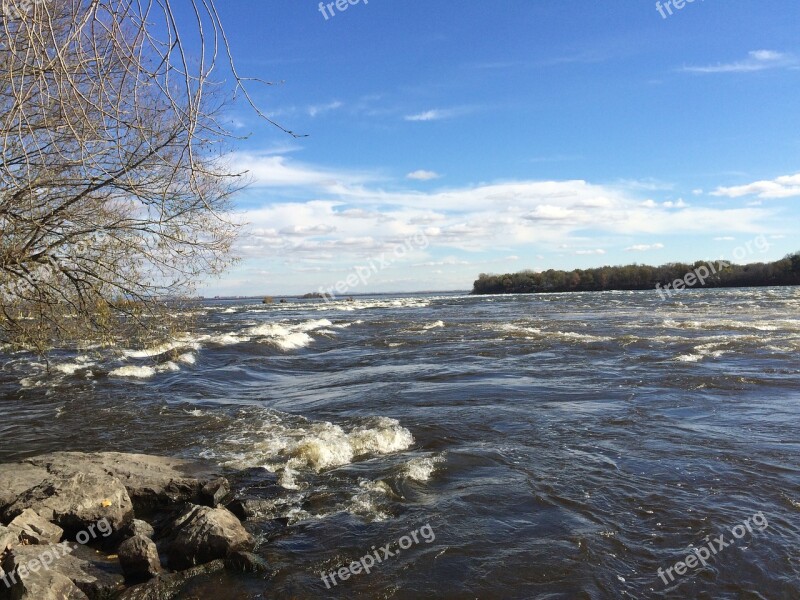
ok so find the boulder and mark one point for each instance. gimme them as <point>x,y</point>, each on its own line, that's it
<point>202,534</point>
<point>32,567</point>
<point>45,585</point>
<point>139,527</point>
<point>31,528</point>
<point>77,501</point>
<point>139,559</point>
<point>215,492</point>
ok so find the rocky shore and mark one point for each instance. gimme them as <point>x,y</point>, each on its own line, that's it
<point>111,525</point>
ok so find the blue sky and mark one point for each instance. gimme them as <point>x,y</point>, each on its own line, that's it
<point>518,134</point>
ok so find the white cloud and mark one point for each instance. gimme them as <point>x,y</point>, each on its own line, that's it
<point>757,60</point>
<point>787,186</point>
<point>316,218</point>
<point>644,247</point>
<point>269,170</point>
<point>423,175</point>
<point>319,109</point>
<point>677,204</point>
<point>725,238</point>
<point>437,114</point>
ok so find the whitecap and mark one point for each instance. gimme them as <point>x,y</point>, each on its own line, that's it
<point>133,371</point>
<point>421,468</point>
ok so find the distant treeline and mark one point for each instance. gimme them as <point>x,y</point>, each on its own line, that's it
<point>642,277</point>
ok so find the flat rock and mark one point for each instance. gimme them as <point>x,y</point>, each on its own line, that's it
<point>45,585</point>
<point>139,559</point>
<point>16,478</point>
<point>77,501</point>
<point>202,534</point>
<point>31,528</point>
<point>33,566</point>
<point>151,481</point>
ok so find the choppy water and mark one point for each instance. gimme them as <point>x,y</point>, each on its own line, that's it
<point>559,446</point>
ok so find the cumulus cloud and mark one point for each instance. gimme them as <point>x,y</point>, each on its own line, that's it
<point>757,60</point>
<point>423,175</point>
<point>304,216</point>
<point>787,186</point>
<point>644,247</point>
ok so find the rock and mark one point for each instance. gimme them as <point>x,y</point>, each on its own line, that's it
<point>215,492</point>
<point>46,585</point>
<point>202,534</point>
<point>33,566</point>
<point>246,562</point>
<point>77,501</point>
<point>8,538</point>
<point>168,586</point>
<point>139,527</point>
<point>31,528</point>
<point>139,559</point>
<point>151,481</point>
<point>16,478</point>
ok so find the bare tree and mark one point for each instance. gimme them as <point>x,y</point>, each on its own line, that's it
<point>114,190</point>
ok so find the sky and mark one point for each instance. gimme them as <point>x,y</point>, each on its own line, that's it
<point>447,139</point>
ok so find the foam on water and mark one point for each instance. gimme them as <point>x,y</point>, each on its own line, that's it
<point>143,371</point>
<point>287,336</point>
<point>562,335</point>
<point>421,468</point>
<point>330,445</point>
<point>134,371</point>
<point>180,343</point>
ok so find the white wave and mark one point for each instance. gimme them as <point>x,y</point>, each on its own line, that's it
<point>143,372</point>
<point>224,339</point>
<point>181,343</point>
<point>366,502</point>
<point>433,325</point>
<point>421,469</point>
<point>366,304</point>
<point>70,368</point>
<point>229,311</point>
<point>690,357</point>
<point>293,341</point>
<point>134,371</point>
<point>563,335</point>
<point>188,358</point>
<point>287,336</point>
<point>274,444</point>
<point>330,446</point>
